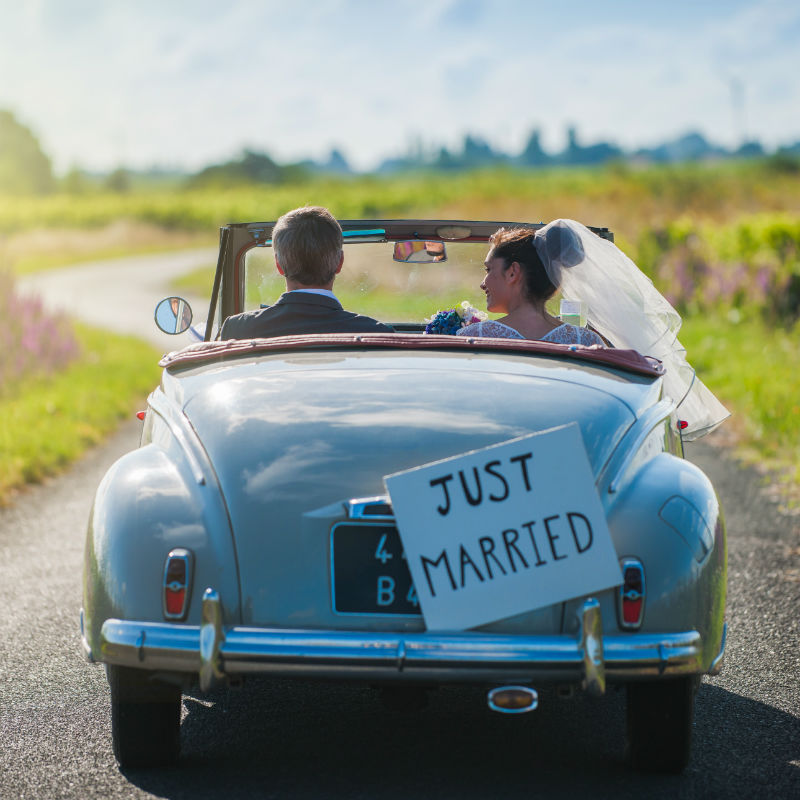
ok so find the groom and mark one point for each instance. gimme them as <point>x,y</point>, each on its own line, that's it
<point>308,253</point>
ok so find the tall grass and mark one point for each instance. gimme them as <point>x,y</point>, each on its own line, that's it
<point>48,420</point>
<point>721,241</point>
<point>624,198</point>
<point>751,264</point>
<point>32,340</point>
<point>754,367</point>
<point>62,387</point>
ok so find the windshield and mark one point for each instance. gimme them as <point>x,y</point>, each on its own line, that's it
<point>373,282</point>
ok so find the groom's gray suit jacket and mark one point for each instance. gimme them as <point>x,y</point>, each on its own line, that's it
<point>297,313</point>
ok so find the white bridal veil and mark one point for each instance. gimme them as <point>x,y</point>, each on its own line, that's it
<point>624,306</point>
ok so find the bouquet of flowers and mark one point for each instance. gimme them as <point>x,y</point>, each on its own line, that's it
<point>453,319</point>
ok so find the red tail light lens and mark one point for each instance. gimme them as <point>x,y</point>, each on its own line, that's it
<point>177,583</point>
<point>631,611</point>
<point>631,594</point>
<point>175,601</point>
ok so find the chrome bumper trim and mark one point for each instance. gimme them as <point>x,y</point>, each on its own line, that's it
<point>212,637</point>
<point>87,650</point>
<point>594,667</point>
<point>719,660</point>
<point>449,657</point>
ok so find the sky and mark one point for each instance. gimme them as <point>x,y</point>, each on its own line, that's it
<point>181,84</point>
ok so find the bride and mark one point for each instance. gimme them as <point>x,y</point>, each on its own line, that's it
<point>518,284</point>
<point>524,268</point>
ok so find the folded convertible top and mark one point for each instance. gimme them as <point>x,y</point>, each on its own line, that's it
<point>206,352</point>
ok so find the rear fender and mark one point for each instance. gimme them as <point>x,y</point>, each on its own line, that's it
<point>150,502</point>
<point>668,515</point>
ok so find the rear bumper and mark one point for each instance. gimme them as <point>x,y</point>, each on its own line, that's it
<point>212,653</point>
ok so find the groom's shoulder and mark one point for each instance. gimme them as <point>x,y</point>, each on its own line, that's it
<point>361,322</point>
<point>238,326</point>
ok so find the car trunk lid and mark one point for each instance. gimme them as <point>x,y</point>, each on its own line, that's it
<point>294,439</point>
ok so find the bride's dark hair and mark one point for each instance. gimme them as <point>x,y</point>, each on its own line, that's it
<point>523,246</point>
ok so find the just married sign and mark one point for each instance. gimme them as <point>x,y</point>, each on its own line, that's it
<point>503,530</point>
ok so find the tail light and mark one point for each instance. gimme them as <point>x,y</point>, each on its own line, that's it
<point>177,583</point>
<point>631,594</point>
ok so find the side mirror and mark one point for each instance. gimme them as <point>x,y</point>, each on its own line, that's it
<point>419,252</point>
<point>173,315</point>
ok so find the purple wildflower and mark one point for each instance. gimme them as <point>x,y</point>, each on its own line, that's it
<point>32,341</point>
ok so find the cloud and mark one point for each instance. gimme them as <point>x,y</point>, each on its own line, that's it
<point>185,83</point>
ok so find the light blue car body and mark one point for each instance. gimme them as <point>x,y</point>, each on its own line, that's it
<point>252,452</point>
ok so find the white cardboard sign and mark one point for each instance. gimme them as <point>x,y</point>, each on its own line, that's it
<point>503,530</point>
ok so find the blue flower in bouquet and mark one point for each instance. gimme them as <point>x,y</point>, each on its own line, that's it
<point>453,319</point>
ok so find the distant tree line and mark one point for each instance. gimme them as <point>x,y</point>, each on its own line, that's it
<point>476,153</point>
<point>25,169</point>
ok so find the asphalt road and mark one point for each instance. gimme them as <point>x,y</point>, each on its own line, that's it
<point>120,294</point>
<point>318,740</point>
<point>285,740</point>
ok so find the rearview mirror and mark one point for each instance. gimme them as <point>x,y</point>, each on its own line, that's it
<point>173,315</point>
<point>419,252</point>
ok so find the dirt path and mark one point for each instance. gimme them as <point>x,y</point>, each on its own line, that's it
<point>120,295</point>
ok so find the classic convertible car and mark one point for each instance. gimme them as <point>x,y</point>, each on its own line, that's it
<point>403,510</point>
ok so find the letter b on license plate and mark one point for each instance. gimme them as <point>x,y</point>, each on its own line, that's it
<point>369,571</point>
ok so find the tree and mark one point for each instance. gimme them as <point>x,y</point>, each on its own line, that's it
<point>24,168</point>
<point>477,152</point>
<point>250,167</point>
<point>533,155</point>
<point>118,181</point>
<point>445,160</point>
<point>336,163</point>
<point>75,181</point>
<point>576,154</point>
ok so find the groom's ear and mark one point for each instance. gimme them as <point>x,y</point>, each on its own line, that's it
<point>279,268</point>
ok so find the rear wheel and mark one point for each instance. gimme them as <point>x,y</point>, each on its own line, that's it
<point>660,715</point>
<point>145,718</point>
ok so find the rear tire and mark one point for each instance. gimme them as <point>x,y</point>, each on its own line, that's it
<point>145,718</point>
<point>659,716</point>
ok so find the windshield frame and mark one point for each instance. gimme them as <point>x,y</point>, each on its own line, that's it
<point>236,239</point>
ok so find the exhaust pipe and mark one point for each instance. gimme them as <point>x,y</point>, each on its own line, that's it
<point>513,699</point>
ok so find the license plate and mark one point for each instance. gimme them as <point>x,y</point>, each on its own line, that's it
<point>370,574</point>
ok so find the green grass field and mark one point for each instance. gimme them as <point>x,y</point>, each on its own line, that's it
<point>722,241</point>
<point>627,199</point>
<point>47,422</point>
<point>753,368</point>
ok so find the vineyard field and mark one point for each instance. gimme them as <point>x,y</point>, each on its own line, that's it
<point>720,241</point>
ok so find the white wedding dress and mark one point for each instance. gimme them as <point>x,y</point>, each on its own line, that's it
<point>563,334</point>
